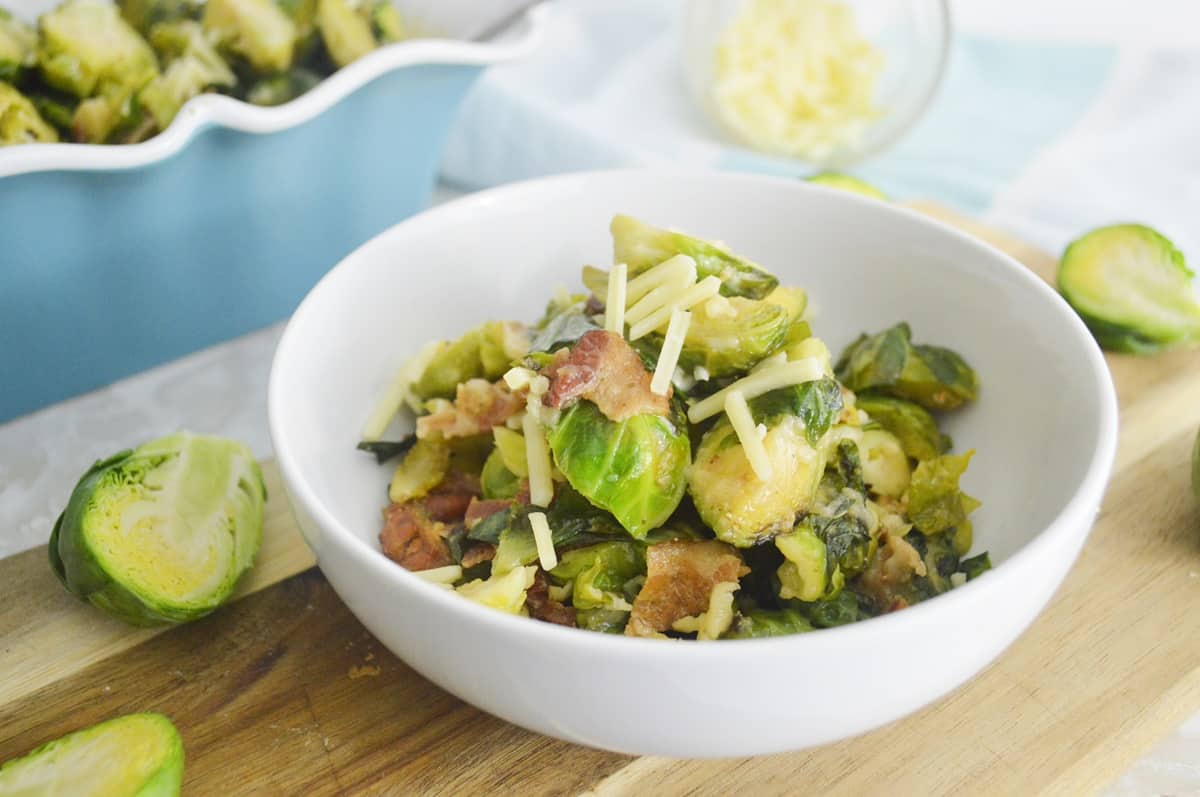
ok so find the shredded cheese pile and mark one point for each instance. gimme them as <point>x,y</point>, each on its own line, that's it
<point>796,77</point>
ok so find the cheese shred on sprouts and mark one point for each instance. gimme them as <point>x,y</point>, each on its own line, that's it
<point>672,346</point>
<point>743,423</point>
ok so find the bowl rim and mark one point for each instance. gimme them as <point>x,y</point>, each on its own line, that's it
<point>1075,513</point>
<point>521,37</point>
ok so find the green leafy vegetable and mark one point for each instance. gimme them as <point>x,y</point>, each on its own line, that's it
<point>911,423</point>
<point>496,480</point>
<point>634,468</point>
<point>1132,288</point>
<point>346,32</point>
<point>975,566</point>
<point>486,351</point>
<point>816,403</point>
<point>845,525</point>
<point>18,46</point>
<point>561,330</point>
<point>845,607</point>
<point>161,534</point>
<point>606,621</point>
<point>278,89</point>
<point>729,336</point>
<point>758,623</point>
<point>138,755</point>
<point>935,502</point>
<point>256,30</point>
<point>935,378</point>
<point>20,122</point>
<point>845,182</point>
<point>386,450</point>
<point>640,246</point>
<point>193,65</point>
<point>143,15</point>
<point>808,572</point>
<point>599,573</point>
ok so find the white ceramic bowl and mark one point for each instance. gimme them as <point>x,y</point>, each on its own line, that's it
<point>1045,429</point>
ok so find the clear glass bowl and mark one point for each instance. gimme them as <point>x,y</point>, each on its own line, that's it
<point>913,35</point>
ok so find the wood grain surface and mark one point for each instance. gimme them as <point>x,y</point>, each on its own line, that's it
<point>283,692</point>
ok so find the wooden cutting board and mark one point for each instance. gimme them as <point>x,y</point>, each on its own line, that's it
<point>284,692</point>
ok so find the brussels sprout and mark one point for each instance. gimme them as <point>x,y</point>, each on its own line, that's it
<point>975,566</point>
<point>573,522</point>
<point>278,89</point>
<point>847,527</point>
<point>257,30</point>
<point>496,480</point>
<point>935,502</point>
<point>505,592</point>
<point>606,621</point>
<point>162,533</point>
<point>18,46</point>
<point>935,378</point>
<point>486,351</point>
<point>806,574</point>
<point>1130,285</point>
<point>387,450</point>
<point>634,468</point>
<point>884,463</point>
<point>193,65</point>
<point>728,336</point>
<point>143,15</point>
<point>387,23</point>
<point>845,182</point>
<point>20,123</point>
<point>599,573</point>
<point>911,423</point>
<point>941,562</point>
<point>640,246</point>
<point>422,469</point>
<point>741,508</point>
<point>758,623</point>
<point>87,49</point>
<point>137,755</point>
<point>841,609</point>
<point>346,33</point>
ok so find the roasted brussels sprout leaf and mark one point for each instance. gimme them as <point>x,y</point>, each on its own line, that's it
<point>143,15</point>
<point>278,89</point>
<point>846,607</point>
<point>193,65</point>
<point>346,33</point>
<point>935,502</point>
<point>505,592</point>
<point>257,30</point>
<point>845,182</point>
<point>137,755</point>
<point>18,46</point>
<point>728,336</point>
<point>767,623</point>
<point>975,566</point>
<point>816,403</point>
<point>845,526</point>
<point>486,351</point>
<point>634,468</point>
<point>162,533</point>
<point>20,122</point>
<point>599,573</point>
<point>911,423</point>
<point>387,450</point>
<point>497,481</point>
<point>1130,285</point>
<point>889,363</point>
<point>806,573</point>
<point>606,621</point>
<point>640,246</point>
<point>561,330</point>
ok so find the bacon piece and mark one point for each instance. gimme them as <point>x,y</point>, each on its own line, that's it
<point>480,510</point>
<point>478,406</point>
<point>541,607</point>
<point>449,501</point>
<point>894,566</point>
<point>478,553</point>
<point>412,538</point>
<point>680,577</point>
<point>604,369</point>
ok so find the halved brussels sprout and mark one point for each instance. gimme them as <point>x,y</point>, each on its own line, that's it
<point>257,30</point>
<point>934,377</point>
<point>635,469</point>
<point>884,463</point>
<point>162,533</point>
<point>935,502</point>
<point>143,15</point>
<point>86,48</point>
<point>496,480</point>
<point>728,336</point>
<point>845,182</point>
<point>806,573</point>
<point>18,46</point>
<point>422,469</point>
<point>505,592</point>
<point>346,33</point>
<point>640,246</point>
<point>1130,285</point>
<point>911,423</point>
<point>484,352</point>
<point>193,65</point>
<point>138,755</point>
<point>848,528</point>
<point>758,623</point>
<point>20,123</point>
<point>599,573</point>
<point>387,23</point>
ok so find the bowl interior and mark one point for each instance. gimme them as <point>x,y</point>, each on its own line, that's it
<point>866,265</point>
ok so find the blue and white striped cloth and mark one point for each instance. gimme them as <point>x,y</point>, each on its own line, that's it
<point>1044,131</point>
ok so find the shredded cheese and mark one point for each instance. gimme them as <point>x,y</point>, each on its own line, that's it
<point>717,619</point>
<point>518,377</point>
<point>537,456</point>
<point>441,575</point>
<point>743,423</point>
<point>614,307</point>
<point>680,268</point>
<point>547,558</point>
<point>958,579</point>
<point>668,356</point>
<point>664,295</point>
<point>704,289</point>
<point>755,384</point>
<point>399,391</point>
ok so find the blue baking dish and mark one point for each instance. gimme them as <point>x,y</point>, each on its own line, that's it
<point>117,258</point>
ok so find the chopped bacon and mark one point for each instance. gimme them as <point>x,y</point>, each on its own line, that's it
<point>478,406</point>
<point>604,369</point>
<point>680,577</point>
<point>449,501</point>
<point>478,553</point>
<point>890,572</point>
<point>412,538</point>
<point>540,605</point>
<point>479,510</point>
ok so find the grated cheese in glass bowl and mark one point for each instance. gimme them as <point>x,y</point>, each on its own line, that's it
<point>825,81</point>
